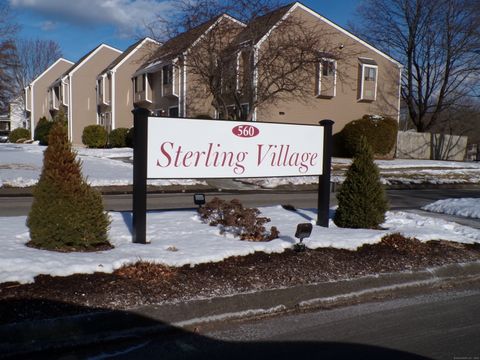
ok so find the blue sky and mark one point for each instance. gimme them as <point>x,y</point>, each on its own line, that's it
<point>80,25</point>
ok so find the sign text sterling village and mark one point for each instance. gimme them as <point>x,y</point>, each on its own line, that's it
<point>178,148</point>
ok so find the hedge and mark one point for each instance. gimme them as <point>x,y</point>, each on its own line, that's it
<point>118,137</point>
<point>19,133</point>
<point>94,136</point>
<point>380,132</point>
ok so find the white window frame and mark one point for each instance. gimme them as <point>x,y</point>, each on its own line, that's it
<point>66,99</point>
<point>237,70</point>
<point>320,75</point>
<point>175,72</point>
<point>148,92</point>
<point>371,66</point>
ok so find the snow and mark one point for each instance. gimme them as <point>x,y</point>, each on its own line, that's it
<point>179,238</point>
<point>466,207</point>
<point>21,165</point>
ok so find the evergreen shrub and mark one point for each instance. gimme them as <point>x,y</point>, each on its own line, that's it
<point>18,134</point>
<point>94,136</point>
<point>233,217</point>
<point>118,138</point>
<point>66,213</point>
<point>362,201</point>
<point>42,130</point>
<point>380,132</point>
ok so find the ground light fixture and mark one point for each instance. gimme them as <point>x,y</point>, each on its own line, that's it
<point>199,199</point>
<point>304,230</point>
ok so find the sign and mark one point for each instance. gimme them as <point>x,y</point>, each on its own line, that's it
<point>192,148</point>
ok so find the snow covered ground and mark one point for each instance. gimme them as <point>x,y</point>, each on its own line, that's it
<point>179,238</point>
<point>466,207</point>
<point>21,164</point>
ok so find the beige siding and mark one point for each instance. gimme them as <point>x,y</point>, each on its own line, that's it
<point>123,85</point>
<point>39,91</point>
<point>83,102</point>
<point>345,106</point>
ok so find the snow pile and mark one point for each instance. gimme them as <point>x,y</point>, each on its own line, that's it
<point>179,238</point>
<point>466,207</point>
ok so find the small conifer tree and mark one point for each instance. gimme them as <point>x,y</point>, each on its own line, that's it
<point>362,201</point>
<point>66,214</point>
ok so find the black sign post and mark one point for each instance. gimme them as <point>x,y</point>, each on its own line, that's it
<point>139,220</point>
<point>323,206</point>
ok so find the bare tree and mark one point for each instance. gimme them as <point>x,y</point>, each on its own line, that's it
<point>8,29</point>
<point>230,68</point>
<point>439,44</point>
<point>33,56</point>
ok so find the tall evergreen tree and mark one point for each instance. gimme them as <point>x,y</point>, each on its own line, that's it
<point>66,214</point>
<point>362,201</point>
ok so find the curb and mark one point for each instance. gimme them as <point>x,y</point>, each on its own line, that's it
<point>128,189</point>
<point>29,337</point>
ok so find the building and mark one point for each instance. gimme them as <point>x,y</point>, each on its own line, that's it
<point>75,90</point>
<point>36,93</point>
<point>346,79</point>
<point>114,85</point>
<point>170,84</point>
<point>17,114</point>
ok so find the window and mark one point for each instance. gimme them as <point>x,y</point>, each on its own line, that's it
<point>167,74</point>
<point>328,68</point>
<point>370,73</point>
<point>368,78</point>
<point>173,111</point>
<point>245,109</point>
<point>139,83</point>
<point>327,78</point>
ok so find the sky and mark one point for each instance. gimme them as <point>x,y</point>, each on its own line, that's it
<point>78,26</point>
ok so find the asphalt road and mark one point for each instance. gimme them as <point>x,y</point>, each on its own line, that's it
<point>399,199</point>
<point>435,326</point>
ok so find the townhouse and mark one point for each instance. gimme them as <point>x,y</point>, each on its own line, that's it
<point>225,69</point>
<point>170,84</point>
<point>348,78</point>
<point>114,85</point>
<point>75,90</point>
<point>37,102</point>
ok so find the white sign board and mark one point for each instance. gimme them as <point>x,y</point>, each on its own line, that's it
<point>191,148</point>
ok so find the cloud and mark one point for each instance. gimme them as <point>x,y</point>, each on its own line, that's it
<point>48,25</point>
<point>125,15</point>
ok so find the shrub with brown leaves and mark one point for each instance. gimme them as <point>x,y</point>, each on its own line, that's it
<point>234,218</point>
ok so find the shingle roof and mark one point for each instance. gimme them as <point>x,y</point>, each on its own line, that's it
<point>259,26</point>
<point>180,43</point>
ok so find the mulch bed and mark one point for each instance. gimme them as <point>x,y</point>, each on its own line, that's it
<point>145,283</point>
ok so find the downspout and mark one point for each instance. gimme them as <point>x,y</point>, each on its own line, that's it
<point>70,106</point>
<point>112,95</point>
<point>184,105</point>
<point>32,116</point>
<point>255,81</point>
<point>399,94</point>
